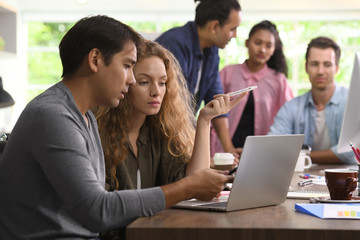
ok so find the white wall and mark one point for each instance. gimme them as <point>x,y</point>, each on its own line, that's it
<point>9,63</point>
<point>251,8</point>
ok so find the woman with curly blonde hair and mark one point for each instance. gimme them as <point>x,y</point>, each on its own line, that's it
<point>149,139</point>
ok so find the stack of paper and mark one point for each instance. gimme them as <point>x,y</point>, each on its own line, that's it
<point>340,211</point>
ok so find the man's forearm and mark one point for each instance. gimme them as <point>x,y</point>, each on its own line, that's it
<point>324,156</point>
<point>176,192</point>
<point>203,185</point>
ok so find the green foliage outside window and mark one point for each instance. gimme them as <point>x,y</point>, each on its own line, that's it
<point>152,27</point>
<point>46,34</point>
<point>47,66</point>
<point>44,66</point>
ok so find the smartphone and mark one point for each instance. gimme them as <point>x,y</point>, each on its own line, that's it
<point>232,171</point>
<point>242,90</point>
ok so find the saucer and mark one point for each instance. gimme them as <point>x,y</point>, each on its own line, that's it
<point>328,200</point>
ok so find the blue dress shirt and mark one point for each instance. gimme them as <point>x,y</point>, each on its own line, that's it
<point>183,42</point>
<point>298,116</point>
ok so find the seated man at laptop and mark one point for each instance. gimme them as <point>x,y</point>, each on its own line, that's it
<point>318,113</point>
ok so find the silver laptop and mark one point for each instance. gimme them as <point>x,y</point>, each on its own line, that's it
<point>263,176</point>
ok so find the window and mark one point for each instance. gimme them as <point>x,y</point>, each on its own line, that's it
<point>44,66</point>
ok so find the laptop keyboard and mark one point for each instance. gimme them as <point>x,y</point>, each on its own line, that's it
<point>217,205</point>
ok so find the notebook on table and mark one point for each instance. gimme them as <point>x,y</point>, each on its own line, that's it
<point>263,177</point>
<point>306,194</point>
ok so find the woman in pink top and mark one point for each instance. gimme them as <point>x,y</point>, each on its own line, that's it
<point>266,68</point>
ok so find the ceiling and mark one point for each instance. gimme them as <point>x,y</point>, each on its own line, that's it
<point>185,5</point>
<point>251,8</point>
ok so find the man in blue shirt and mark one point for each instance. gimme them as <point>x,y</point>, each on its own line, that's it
<point>195,45</point>
<point>318,113</point>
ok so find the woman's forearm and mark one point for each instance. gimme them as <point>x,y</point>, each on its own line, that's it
<point>200,157</point>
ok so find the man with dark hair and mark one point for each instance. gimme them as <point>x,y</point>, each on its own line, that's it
<point>318,113</point>
<point>195,45</point>
<point>52,171</point>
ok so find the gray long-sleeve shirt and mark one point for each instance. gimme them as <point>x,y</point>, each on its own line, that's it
<point>52,176</point>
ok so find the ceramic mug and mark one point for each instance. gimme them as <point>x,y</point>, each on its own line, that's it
<point>303,162</point>
<point>341,183</point>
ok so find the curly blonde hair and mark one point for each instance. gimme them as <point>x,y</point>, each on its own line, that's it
<point>175,121</point>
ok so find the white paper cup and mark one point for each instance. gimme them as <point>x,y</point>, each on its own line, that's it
<point>223,161</point>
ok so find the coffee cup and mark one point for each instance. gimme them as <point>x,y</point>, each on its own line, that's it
<point>223,161</point>
<point>303,162</point>
<point>341,183</point>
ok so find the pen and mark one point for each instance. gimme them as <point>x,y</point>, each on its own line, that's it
<point>307,175</point>
<point>232,170</point>
<point>358,151</point>
<point>304,176</point>
<point>241,91</point>
<point>318,179</point>
<point>305,182</point>
<point>357,155</point>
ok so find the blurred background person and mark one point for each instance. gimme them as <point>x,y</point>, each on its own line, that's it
<point>319,112</point>
<point>196,45</point>
<point>265,68</point>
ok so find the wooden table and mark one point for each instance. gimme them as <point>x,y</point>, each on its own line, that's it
<point>273,222</point>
